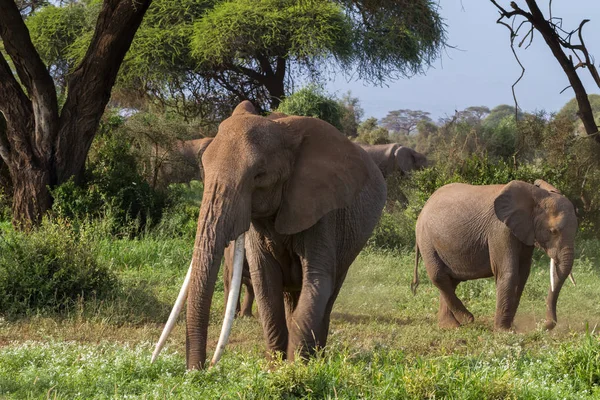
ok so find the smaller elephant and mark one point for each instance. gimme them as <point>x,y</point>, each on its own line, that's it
<point>180,163</point>
<point>470,232</point>
<point>394,157</point>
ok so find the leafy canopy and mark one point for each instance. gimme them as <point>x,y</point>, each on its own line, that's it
<point>303,31</point>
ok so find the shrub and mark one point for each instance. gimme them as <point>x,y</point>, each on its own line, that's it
<point>112,185</point>
<point>312,101</point>
<point>49,270</point>
<point>395,231</point>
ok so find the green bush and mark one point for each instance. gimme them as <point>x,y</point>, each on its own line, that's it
<point>180,218</point>
<point>49,270</point>
<point>312,101</point>
<point>112,186</point>
<point>395,231</point>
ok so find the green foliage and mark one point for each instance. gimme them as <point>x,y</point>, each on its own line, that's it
<point>303,31</point>
<point>371,133</point>
<point>312,101</point>
<point>113,186</point>
<point>392,39</point>
<point>53,32</point>
<point>394,231</point>
<point>49,270</point>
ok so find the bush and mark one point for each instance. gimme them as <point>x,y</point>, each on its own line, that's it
<point>312,101</point>
<point>49,270</point>
<point>112,186</point>
<point>181,217</point>
<point>395,231</point>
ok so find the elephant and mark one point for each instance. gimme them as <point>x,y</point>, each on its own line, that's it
<point>469,232</point>
<point>179,164</point>
<point>395,157</point>
<point>302,200</point>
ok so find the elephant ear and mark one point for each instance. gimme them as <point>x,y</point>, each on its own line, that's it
<point>328,173</point>
<point>546,186</point>
<point>245,107</point>
<point>405,159</point>
<point>202,145</point>
<point>514,206</point>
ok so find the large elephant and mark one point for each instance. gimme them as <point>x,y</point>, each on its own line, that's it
<point>308,200</point>
<point>394,157</point>
<point>469,232</point>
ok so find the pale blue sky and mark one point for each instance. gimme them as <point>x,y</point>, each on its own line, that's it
<point>482,68</point>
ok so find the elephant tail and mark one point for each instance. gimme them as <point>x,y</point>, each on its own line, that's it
<point>415,281</point>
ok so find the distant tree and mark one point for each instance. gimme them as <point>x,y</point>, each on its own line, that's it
<point>560,41</point>
<point>352,114</point>
<point>369,132</point>
<point>499,113</point>
<point>474,114</point>
<point>43,144</point>
<point>404,121</point>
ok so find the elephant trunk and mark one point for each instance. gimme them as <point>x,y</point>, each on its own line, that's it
<point>219,222</point>
<point>560,270</point>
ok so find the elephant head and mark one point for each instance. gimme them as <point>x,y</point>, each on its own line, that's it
<point>290,171</point>
<point>540,214</point>
<point>408,159</point>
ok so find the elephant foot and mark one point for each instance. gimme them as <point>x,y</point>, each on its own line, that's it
<point>549,325</point>
<point>465,318</point>
<point>245,314</point>
<point>448,323</point>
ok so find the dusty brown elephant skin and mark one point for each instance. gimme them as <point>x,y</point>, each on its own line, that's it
<point>394,157</point>
<point>469,232</point>
<point>308,200</point>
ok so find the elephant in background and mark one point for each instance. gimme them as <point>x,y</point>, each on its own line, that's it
<point>469,232</point>
<point>180,163</point>
<point>394,157</point>
<point>304,200</point>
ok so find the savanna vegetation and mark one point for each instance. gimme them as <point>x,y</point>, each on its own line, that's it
<point>86,289</point>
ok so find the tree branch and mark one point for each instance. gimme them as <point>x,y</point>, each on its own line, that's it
<point>556,43</point>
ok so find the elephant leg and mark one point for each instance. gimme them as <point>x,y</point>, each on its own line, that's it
<point>267,281</point>
<point>307,319</point>
<point>446,318</point>
<point>291,302</point>
<point>509,288</point>
<point>439,274</point>
<point>246,310</point>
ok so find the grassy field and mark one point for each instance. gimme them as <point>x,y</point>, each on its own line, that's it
<point>384,342</point>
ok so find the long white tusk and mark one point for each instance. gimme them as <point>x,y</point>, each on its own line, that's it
<point>572,279</point>
<point>173,316</point>
<point>236,281</point>
<point>552,270</point>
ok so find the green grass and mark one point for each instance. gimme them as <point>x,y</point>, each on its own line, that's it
<point>384,342</point>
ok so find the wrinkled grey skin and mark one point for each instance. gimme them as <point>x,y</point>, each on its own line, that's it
<point>244,309</point>
<point>308,200</point>
<point>394,157</point>
<point>469,232</point>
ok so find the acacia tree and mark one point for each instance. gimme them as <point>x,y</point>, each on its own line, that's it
<point>560,42</point>
<point>404,121</point>
<point>43,145</point>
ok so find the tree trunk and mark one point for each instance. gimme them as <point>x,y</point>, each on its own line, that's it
<point>41,148</point>
<point>551,38</point>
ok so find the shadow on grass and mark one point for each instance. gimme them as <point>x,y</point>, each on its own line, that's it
<point>367,319</point>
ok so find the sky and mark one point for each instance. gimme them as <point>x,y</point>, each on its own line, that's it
<point>481,68</point>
